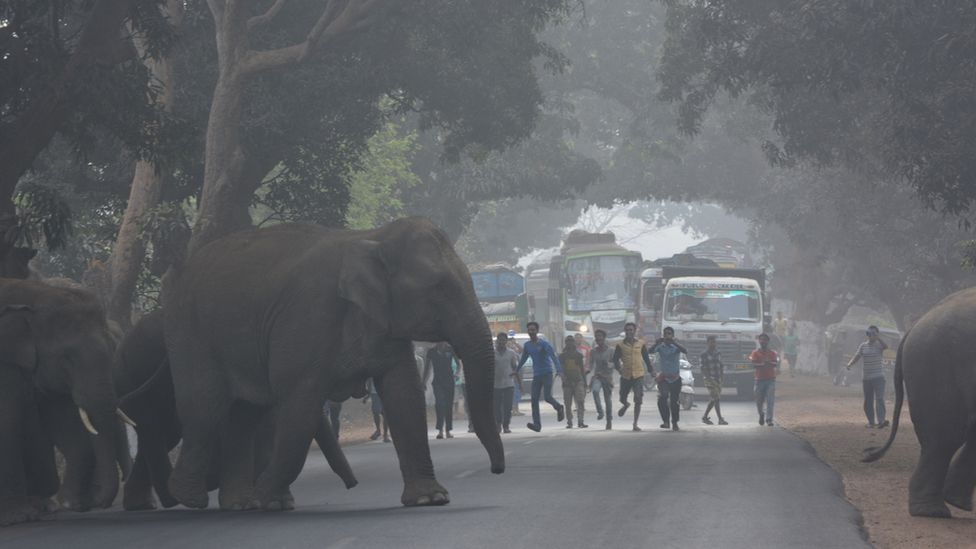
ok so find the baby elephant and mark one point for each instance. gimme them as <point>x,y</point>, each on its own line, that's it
<point>143,379</point>
<point>937,367</point>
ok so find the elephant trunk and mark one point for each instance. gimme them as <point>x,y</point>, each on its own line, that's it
<point>474,347</point>
<point>97,407</point>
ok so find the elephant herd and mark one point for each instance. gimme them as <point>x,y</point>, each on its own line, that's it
<point>257,329</point>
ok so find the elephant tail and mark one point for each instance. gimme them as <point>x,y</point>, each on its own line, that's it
<point>875,453</point>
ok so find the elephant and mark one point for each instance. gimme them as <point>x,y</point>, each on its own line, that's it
<point>55,362</point>
<point>936,369</point>
<point>288,316</point>
<point>142,377</point>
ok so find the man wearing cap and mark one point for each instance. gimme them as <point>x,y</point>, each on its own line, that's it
<point>766,364</point>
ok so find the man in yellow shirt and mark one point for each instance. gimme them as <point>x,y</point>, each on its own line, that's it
<point>631,360</point>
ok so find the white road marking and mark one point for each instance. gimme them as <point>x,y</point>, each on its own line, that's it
<point>465,474</point>
<point>527,442</point>
<point>344,542</point>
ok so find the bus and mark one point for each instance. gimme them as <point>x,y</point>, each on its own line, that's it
<point>499,288</point>
<point>594,283</point>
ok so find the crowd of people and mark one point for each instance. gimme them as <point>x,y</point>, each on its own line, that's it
<point>585,369</point>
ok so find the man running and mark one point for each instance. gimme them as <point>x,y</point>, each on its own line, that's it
<point>505,363</point>
<point>872,380</point>
<point>601,357</point>
<point>439,360</point>
<point>574,382</point>
<point>631,360</point>
<point>544,359</point>
<point>712,371</point>
<point>669,380</point>
<point>766,364</point>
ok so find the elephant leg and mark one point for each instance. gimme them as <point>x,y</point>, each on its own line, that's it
<point>925,490</point>
<point>403,401</point>
<point>14,505</point>
<point>203,403</point>
<point>61,418</point>
<point>237,458</point>
<point>137,494</point>
<point>332,451</point>
<point>296,416</point>
<point>961,479</point>
<point>160,468</point>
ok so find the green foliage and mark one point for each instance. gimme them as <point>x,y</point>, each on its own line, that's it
<point>877,87</point>
<point>377,188</point>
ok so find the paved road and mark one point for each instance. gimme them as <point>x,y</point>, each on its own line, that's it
<point>736,486</point>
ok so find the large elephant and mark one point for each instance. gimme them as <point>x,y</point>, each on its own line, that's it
<point>938,371</point>
<point>287,316</point>
<point>55,360</point>
<point>145,386</point>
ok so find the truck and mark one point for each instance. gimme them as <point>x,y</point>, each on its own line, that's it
<point>727,303</point>
<point>652,291</point>
<point>594,284</point>
<point>501,292</point>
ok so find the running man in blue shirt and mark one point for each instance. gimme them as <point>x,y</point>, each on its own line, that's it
<point>543,360</point>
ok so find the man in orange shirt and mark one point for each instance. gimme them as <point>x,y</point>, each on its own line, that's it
<point>766,364</point>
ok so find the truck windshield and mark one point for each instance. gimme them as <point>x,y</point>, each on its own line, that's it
<point>600,283</point>
<point>712,305</point>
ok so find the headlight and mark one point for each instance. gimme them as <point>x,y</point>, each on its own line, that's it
<point>584,328</point>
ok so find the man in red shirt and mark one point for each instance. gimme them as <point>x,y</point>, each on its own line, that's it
<point>766,364</point>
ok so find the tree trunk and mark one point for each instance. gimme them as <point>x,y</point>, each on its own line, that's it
<point>144,194</point>
<point>30,134</point>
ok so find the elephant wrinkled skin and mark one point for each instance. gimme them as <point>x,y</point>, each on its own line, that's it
<point>290,315</point>
<point>142,378</point>
<point>55,371</point>
<point>936,366</point>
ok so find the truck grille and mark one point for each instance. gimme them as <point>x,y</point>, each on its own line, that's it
<point>732,351</point>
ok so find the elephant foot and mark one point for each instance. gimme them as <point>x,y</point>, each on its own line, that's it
<point>935,509</point>
<point>167,500</point>
<point>139,504</point>
<point>960,501</point>
<point>424,492</point>
<point>20,510</point>
<point>237,502</point>
<point>187,493</point>
<point>279,502</point>
<point>74,503</point>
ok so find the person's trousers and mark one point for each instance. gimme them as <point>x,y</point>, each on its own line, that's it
<point>669,400</point>
<point>606,388</point>
<point>542,387</point>
<point>574,392</point>
<point>627,385</point>
<point>874,390</point>
<point>766,394</point>
<point>503,406</point>
<point>444,406</point>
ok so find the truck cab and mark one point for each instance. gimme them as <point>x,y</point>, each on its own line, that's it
<point>725,303</point>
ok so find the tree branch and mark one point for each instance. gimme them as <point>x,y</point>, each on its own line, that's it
<point>339,18</point>
<point>216,9</point>
<point>267,16</point>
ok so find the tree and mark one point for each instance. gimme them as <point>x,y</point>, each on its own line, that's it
<point>882,88</point>
<point>65,64</point>
<point>422,43</point>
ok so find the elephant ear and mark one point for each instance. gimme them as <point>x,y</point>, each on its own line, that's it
<point>364,281</point>
<point>16,337</point>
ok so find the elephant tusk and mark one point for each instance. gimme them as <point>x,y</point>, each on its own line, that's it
<point>86,421</point>
<point>125,418</point>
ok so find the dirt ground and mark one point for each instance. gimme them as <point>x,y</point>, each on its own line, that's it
<point>832,420</point>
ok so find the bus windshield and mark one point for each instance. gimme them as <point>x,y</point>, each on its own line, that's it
<point>712,305</point>
<point>601,283</point>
